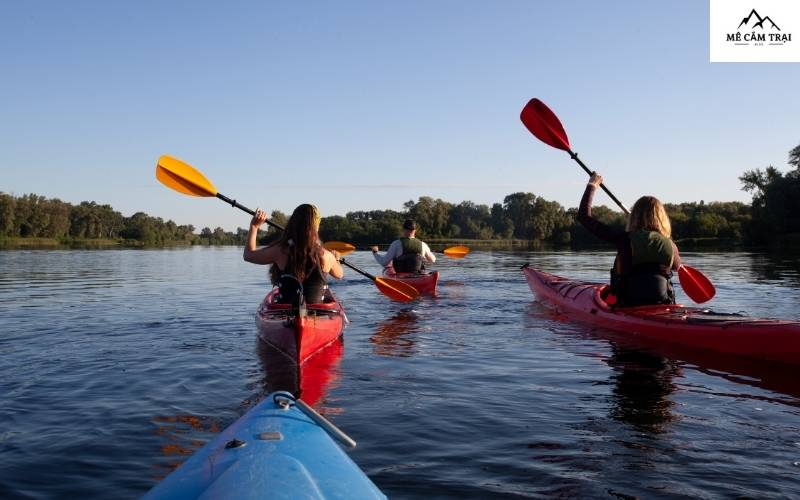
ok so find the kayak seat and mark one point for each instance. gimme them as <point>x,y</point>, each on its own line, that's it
<point>647,289</point>
<point>278,305</point>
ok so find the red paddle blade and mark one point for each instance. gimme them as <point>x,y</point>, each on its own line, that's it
<point>695,284</point>
<point>544,124</point>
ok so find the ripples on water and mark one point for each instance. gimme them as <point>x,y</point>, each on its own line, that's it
<point>119,364</point>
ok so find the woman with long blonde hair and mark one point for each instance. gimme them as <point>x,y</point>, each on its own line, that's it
<point>299,261</point>
<point>646,254</point>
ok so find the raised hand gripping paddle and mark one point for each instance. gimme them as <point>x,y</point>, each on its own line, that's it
<point>183,178</point>
<point>545,125</point>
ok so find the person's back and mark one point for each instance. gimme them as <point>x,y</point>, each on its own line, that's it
<point>299,262</point>
<point>410,261</point>
<point>406,254</point>
<point>646,255</point>
<point>313,286</point>
<point>648,280</point>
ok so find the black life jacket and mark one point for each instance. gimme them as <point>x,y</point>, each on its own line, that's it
<point>313,290</point>
<point>410,261</point>
<point>648,280</point>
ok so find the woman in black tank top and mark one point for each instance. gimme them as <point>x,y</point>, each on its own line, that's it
<point>297,258</point>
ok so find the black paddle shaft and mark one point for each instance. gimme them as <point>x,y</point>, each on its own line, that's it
<point>238,205</point>
<point>359,271</point>
<point>574,156</point>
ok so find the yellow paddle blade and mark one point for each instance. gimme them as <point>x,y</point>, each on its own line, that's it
<point>396,289</point>
<point>458,252</point>
<point>183,178</point>
<point>340,246</point>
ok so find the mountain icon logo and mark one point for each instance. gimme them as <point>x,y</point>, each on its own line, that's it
<point>761,20</point>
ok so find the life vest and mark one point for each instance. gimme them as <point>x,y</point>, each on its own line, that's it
<point>313,290</point>
<point>648,279</point>
<point>410,261</point>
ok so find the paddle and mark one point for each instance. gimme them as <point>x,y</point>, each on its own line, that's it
<point>184,178</point>
<point>392,288</point>
<point>456,252</point>
<point>695,284</point>
<point>545,125</point>
<point>340,246</point>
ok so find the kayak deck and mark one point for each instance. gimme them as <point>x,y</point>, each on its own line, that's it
<point>424,283</point>
<point>300,334</point>
<point>772,339</point>
<point>273,451</point>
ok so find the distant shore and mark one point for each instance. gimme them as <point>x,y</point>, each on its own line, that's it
<point>76,243</point>
<point>710,244</point>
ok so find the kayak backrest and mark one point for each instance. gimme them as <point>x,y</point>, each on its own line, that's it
<point>604,298</point>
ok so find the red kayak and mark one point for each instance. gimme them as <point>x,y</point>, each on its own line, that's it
<point>299,334</point>
<point>771,339</point>
<point>311,380</point>
<point>423,282</point>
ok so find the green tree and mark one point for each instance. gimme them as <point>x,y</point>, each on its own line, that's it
<point>776,199</point>
<point>519,208</point>
<point>473,221</point>
<point>549,222</point>
<point>58,222</point>
<point>431,215</point>
<point>8,206</point>
<point>502,225</point>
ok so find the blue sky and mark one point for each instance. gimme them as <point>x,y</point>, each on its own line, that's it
<point>365,105</point>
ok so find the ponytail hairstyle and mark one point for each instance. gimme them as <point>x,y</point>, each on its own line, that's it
<point>649,214</point>
<point>301,240</point>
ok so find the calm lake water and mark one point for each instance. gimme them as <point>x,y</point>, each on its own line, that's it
<point>117,364</point>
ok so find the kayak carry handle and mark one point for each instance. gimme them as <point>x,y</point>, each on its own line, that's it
<point>323,422</point>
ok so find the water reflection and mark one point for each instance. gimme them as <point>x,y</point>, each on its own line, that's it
<point>660,361</point>
<point>772,376</point>
<point>181,436</point>
<point>643,383</point>
<point>782,267</point>
<point>394,337</point>
<point>310,381</point>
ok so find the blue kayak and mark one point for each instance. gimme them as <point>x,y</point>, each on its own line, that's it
<point>278,449</point>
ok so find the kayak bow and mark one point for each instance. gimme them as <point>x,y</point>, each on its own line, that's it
<point>279,449</point>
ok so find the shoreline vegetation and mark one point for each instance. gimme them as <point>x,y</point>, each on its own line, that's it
<point>522,220</point>
<point>714,244</point>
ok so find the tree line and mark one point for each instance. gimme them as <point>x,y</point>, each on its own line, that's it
<point>527,217</point>
<point>520,216</point>
<point>776,201</point>
<point>34,216</point>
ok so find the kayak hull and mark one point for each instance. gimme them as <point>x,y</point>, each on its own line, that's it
<point>769,339</point>
<point>424,283</point>
<point>272,451</point>
<point>298,336</point>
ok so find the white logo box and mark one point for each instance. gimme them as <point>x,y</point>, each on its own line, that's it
<point>754,30</point>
